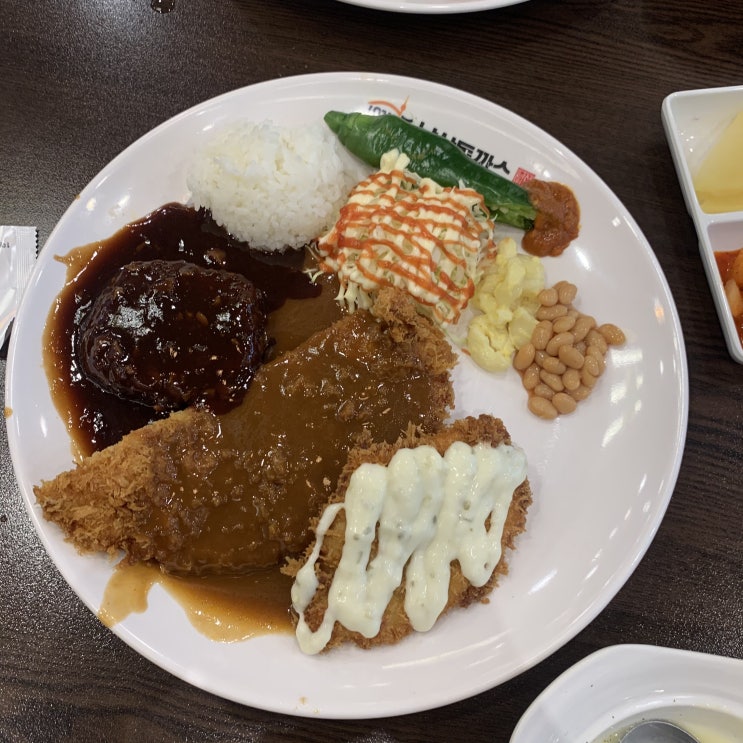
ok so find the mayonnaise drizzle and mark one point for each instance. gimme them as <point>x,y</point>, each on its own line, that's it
<point>431,510</point>
<point>398,229</point>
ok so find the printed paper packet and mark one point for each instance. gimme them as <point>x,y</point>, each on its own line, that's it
<point>17,256</point>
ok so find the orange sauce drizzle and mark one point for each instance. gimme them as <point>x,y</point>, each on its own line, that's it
<point>397,233</point>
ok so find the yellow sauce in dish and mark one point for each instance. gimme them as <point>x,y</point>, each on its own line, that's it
<point>719,181</point>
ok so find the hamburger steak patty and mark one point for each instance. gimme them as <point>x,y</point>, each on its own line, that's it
<point>168,334</point>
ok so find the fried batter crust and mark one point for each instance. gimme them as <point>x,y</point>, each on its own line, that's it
<point>395,623</point>
<point>200,493</point>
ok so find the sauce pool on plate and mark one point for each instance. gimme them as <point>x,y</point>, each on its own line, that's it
<point>227,608</point>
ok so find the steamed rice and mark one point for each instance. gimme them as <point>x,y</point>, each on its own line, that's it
<point>274,187</point>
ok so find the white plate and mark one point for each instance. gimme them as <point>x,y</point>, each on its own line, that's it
<point>602,478</point>
<point>433,6</point>
<point>619,686</point>
<point>693,120</point>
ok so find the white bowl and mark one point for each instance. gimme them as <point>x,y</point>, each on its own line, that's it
<point>614,688</point>
<point>693,120</point>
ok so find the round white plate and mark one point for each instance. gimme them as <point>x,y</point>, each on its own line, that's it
<point>433,6</point>
<point>617,687</point>
<point>602,477</point>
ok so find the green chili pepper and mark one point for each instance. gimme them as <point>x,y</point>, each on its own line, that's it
<point>432,156</point>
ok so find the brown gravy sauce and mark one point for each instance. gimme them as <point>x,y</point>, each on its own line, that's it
<point>222,608</point>
<point>174,232</point>
<point>241,489</point>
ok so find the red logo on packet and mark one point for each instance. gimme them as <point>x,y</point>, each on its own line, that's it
<point>523,176</point>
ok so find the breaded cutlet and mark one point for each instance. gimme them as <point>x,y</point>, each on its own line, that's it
<point>395,623</point>
<point>203,493</point>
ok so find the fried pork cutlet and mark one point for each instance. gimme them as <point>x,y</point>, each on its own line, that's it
<point>316,588</point>
<point>200,493</point>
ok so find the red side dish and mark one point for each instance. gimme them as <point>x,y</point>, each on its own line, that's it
<point>730,266</point>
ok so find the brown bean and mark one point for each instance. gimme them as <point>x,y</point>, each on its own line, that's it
<point>560,339</point>
<point>530,379</point>
<point>581,393</point>
<point>582,325</point>
<point>564,403</point>
<point>599,359</point>
<point>551,313</point>
<point>571,379</point>
<point>553,365</point>
<point>594,338</point>
<point>566,292</point>
<point>552,380</point>
<point>570,356</point>
<point>563,324</point>
<point>567,353</point>
<point>548,297</point>
<point>613,335</point>
<point>591,366</point>
<point>588,379</point>
<point>541,334</point>
<point>543,390</point>
<point>524,357</point>
<point>542,408</point>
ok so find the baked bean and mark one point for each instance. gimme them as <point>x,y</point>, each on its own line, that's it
<point>553,365</point>
<point>588,379</point>
<point>548,297</point>
<point>581,393</point>
<point>582,325</point>
<point>551,313</point>
<point>531,377</point>
<point>542,408</point>
<point>560,339</point>
<point>595,353</point>
<point>571,379</point>
<point>553,381</point>
<point>566,355</point>
<point>563,403</point>
<point>614,336</point>
<point>570,356</point>
<point>566,292</point>
<point>524,357</point>
<point>594,338</point>
<point>563,324</point>
<point>591,366</point>
<point>541,334</point>
<point>544,390</point>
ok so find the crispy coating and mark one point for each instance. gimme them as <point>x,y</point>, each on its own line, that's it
<point>204,493</point>
<point>395,623</point>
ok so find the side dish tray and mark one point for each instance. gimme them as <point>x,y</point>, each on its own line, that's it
<point>693,121</point>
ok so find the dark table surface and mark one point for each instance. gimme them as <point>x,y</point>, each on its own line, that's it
<point>79,81</point>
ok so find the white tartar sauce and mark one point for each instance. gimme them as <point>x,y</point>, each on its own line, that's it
<point>430,510</point>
